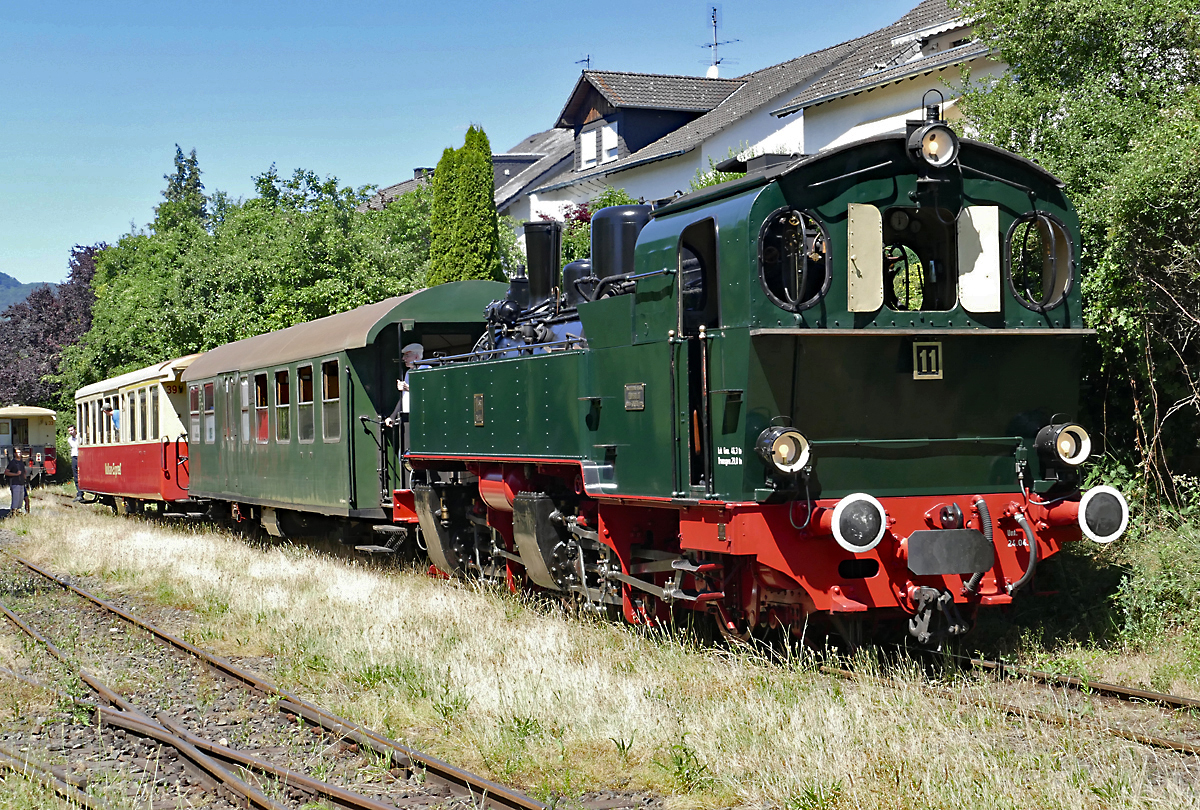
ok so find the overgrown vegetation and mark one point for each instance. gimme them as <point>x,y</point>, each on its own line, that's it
<point>1103,94</point>
<point>564,704</point>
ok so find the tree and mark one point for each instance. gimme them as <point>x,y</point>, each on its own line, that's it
<point>184,200</point>
<point>1102,93</point>
<point>466,238</point>
<point>297,251</point>
<point>443,260</point>
<point>38,330</point>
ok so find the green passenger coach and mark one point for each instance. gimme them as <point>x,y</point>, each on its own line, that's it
<point>285,428</point>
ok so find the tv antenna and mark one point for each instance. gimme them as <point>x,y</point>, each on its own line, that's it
<point>715,21</point>
<point>586,62</point>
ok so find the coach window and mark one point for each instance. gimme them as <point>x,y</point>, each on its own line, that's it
<point>245,399</point>
<point>262,427</point>
<point>304,405</point>
<point>793,259</point>
<point>283,401</point>
<point>1040,261</point>
<point>143,415</point>
<point>194,411</point>
<point>154,412</point>
<point>331,421</point>
<point>210,413</point>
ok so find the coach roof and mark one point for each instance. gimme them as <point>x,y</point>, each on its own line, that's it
<point>462,302</point>
<point>160,372</point>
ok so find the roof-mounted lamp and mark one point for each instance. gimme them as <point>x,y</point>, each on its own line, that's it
<point>932,141</point>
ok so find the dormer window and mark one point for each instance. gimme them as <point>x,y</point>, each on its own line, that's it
<point>608,142</point>
<point>587,149</point>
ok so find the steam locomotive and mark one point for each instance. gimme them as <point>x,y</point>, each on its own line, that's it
<point>840,389</point>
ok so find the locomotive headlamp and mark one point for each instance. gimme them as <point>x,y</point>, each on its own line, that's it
<point>936,144</point>
<point>1065,443</point>
<point>1103,514</point>
<point>859,522</point>
<point>784,449</point>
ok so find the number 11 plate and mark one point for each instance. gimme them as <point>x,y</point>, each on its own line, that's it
<point>927,361</point>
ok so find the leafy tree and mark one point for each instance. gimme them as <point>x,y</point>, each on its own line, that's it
<point>1102,93</point>
<point>301,249</point>
<point>466,237</point>
<point>713,176</point>
<point>38,329</point>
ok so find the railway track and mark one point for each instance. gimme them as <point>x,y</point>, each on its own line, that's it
<point>179,746</point>
<point>1064,714</point>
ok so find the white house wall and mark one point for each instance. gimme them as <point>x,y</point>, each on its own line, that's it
<point>884,109</point>
<point>758,133</point>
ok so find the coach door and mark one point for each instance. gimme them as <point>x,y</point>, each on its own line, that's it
<point>698,315</point>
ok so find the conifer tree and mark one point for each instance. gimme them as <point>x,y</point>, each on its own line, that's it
<point>477,225</point>
<point>465,228</point>
<point>184,200</point>
<point>443,263</point>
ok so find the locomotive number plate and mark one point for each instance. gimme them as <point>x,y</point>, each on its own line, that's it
<point>479,410</point>
<point>927,361</point>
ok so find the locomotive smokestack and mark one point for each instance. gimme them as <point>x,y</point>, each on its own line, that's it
<point>543,246</point>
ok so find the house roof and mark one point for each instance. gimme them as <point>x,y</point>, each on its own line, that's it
<point>553,149</point>
<point>542,152</point>
<point>648,91</point>
<point>755,90</point>
<point>887,55</point>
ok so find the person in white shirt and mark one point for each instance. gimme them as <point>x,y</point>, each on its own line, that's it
<point>73,441</point>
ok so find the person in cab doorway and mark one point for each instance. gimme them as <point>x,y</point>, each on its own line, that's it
<point>73,441</point>
<point>411,355</point>
<point>14,476</point>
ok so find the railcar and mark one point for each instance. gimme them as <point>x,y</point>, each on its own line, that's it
<point>839,390</point>
<point>140,456</point>
<point>28,432</point>
<point>285,429</point>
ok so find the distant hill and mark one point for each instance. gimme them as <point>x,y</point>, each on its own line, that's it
<point>13,291</point>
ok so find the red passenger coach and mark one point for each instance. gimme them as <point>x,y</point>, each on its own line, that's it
<point>136,452</point>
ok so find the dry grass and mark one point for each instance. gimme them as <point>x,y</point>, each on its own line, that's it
<point>560,705</point>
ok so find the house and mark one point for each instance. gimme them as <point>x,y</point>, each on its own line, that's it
<point>651,134</point>
<point>846,92</point>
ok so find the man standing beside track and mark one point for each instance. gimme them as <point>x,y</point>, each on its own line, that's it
<point>14,474</point>
<point>73,441</point>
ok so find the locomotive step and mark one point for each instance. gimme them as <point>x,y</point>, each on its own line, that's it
<point>375,549</point>
<point>384,528</point>
<point>695,568</point>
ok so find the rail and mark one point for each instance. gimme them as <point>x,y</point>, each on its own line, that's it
<point>486,794</point>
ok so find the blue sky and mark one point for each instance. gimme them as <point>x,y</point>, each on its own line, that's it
<point>96,94</point>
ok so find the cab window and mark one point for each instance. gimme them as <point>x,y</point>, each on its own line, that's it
<point>793,259</point>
